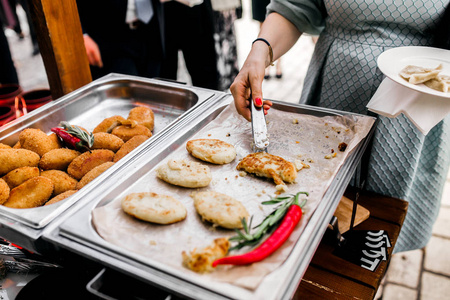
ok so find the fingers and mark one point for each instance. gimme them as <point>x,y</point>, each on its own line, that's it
<point>98,58</point>
<point>248,84</point>
<point>93,52</point>
<point>241,94</point>
<point>266,106</point>
<point>256,89</point>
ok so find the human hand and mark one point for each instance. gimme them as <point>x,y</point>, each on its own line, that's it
<point>92,51</point>
<point>248,83</point>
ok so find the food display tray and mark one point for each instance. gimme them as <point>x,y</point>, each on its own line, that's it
<point>111,95</point>
<point>77,234</point>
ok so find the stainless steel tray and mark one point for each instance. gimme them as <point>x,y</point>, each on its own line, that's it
<point>111,95</point>
<point>76,233</point>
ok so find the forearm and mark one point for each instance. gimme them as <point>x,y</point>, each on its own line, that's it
<point>280,33</point>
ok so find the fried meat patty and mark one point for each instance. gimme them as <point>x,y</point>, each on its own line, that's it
<point>267,165</point>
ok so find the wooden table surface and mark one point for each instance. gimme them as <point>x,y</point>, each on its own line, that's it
<point>331,277</point>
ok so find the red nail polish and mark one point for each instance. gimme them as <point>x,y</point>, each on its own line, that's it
<point>265,112</point>
<point>258,101</point>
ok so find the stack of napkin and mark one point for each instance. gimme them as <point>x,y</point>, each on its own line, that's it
<point>424,110</point>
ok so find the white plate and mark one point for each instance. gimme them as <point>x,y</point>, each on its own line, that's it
<point>392,61</point>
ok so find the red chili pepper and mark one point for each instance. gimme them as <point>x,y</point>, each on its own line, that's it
<point>279,236</point>
<point>69,139</point>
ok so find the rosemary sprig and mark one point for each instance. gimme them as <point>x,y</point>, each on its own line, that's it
<point>270,222</point>
<point>86,138</point>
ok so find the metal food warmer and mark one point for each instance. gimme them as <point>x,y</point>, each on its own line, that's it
<point>111,95</point>
<point>76,233</point>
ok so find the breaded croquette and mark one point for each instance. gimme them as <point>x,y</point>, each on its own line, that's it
<point>4,146</point>
<point>56,142</point>
<point>18,176</point>
<point>36,140</point>
<point>129,146</point>
<point>32,193</point>
<point>94,173</point>
<point>61,180</point>
<point>126,132</point>
<point>58,159</point>
<point>17,145</point>
<point>87,161</point>
<point>4,191</point>
<point>143,116</point>
<point>103,140</point>
<point>60,197</point>
<point>11,159</point>
<point>107,123</point>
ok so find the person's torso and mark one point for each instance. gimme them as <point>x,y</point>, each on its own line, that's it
<point>387,23</point>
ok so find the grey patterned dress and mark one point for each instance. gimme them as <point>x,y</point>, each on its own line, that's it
<point>343,75</point>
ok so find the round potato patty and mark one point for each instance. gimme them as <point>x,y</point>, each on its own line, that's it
<point>219,209</point>
<point>185,173</point>
<point>211,150</point>
<point>155,208</point>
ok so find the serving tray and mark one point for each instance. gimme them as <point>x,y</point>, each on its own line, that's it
<point>77,234</point>
<point>111,95</point>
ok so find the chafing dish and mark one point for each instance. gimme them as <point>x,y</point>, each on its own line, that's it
<point>111,95</point>
<point>77,234</point>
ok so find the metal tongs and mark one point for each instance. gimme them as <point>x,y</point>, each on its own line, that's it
<point>259,129</point>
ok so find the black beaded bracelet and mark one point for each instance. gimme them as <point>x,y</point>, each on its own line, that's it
<point>270,49</point>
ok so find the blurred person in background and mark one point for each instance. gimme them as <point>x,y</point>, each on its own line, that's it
<point>343,75</point>
<point>121,36</point>
<point>189,27</point>
<point>8,14</point>
<point>8,73</point>
<point>34,42</point>
<point>226,12</point>
<point>10,18</point>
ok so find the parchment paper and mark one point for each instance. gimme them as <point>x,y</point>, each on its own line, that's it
<point>292,136</point>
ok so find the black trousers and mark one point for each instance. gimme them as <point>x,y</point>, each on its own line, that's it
<point>191,30</point>
<point>137,52</point>
<point>8,72</point>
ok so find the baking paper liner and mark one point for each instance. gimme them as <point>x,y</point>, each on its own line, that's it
<point>292,136</point>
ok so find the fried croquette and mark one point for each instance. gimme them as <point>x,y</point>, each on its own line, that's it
<point>56,142</point>
<point>143,116</point>
<point>87,161</point>
<point>61,180</point>
<point>60,197</point>
<point>18,176</point>
<point>4,191</point>
<point>126,132</point>
<point>32,193</point>
<point>58,159</point>
<point>36,140</point>
<point>4,146</point>
<point>11,159</point>
<point>105,125</point>
<point>129,146</point>
<point>103,140</point>
<point>17,145</point>
<point>94,173</point>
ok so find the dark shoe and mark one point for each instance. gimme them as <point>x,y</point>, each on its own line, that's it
<point>279,75</point>
<point>267,76</point>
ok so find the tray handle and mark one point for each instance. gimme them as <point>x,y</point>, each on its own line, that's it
<point>112,285</point>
